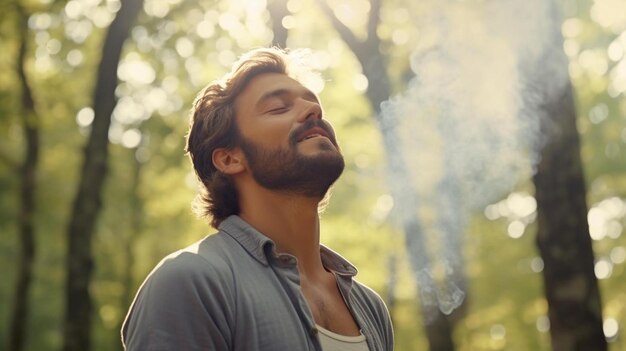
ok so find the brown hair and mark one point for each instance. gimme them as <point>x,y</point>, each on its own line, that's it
<point>212,126</point>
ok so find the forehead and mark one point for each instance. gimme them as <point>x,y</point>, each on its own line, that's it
<point>265,85</point>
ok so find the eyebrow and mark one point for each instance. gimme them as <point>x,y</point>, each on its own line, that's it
<point>307,94</point>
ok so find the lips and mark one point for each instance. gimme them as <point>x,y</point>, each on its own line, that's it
<point>312,133</point>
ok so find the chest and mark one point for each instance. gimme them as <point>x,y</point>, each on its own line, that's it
<point>275,312</point>
<point>271,314</point>
<point>330,309</point>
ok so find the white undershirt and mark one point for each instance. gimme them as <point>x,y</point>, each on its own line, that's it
<point>334,342</point>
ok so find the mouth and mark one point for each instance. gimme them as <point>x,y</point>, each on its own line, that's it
<point>313,133</point>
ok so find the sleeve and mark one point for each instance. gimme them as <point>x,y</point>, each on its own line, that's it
<point>186,303</point>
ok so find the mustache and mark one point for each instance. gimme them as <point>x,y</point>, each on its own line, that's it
<point>309,124</point>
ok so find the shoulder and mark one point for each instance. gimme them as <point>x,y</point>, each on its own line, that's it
<point>187,299</point>
<point>208,258</point>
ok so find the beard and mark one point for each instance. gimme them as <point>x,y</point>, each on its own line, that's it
<point>286,170</point>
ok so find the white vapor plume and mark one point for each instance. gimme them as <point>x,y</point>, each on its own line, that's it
<point>471,114</point>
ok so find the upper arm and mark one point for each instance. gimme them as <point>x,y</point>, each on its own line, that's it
<point>185,304</point>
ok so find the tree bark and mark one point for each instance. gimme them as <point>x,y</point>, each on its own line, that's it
<point>278,10</point>
<point>88,200</point>
<point>437,326</point>
<point>28,171</point>
<point>563,240</point>
<point>571,287</point>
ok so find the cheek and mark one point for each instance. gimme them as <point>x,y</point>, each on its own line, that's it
<point>274,133</point>
<point>269,130</point>
<point>268,138</point>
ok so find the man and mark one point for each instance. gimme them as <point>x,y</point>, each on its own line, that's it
<point>266,158</point>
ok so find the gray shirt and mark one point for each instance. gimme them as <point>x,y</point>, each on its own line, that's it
<point>233,291</point>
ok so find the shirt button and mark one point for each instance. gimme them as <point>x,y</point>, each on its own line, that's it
<point>313,331</point>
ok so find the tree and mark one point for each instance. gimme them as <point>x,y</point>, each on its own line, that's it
<point>563,236</point>
<point>87,202</point>
<point>28,174</point>
<point>563,239</point>
<point>571,287</point>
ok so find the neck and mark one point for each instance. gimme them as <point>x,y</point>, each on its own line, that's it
<point>291,221</point>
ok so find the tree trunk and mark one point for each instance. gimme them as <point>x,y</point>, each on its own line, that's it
<point>437,326</point>
<point>87,203</point>
<point>571,287</point>
<point>28,171</point>
<point>278,10</point>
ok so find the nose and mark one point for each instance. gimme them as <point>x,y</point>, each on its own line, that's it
<point>311,110</point>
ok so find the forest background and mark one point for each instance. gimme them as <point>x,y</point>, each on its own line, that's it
<point>442,100</point>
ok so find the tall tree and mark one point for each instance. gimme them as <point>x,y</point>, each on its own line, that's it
<point>87,203</point>
<point>571,287</point>
<point>373,63</point>
<point>28,175</point>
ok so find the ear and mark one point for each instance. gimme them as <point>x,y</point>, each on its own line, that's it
<point>228,161</point>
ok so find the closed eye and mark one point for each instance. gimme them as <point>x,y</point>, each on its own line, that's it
<point>278,110</point>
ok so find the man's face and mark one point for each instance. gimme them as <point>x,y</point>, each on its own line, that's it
<point>287,144</point>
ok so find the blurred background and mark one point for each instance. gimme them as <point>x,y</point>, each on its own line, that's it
<point>467,128</point>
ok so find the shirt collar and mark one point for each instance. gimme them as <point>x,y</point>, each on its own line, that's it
<point>336,263</point>
<point>259,246</point>
<point>249,238</point>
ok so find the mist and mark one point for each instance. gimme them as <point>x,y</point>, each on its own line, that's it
<point>470,119</point>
